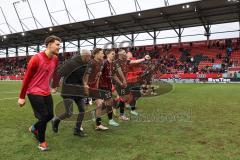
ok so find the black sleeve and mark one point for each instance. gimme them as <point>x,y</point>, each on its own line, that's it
<point>115,67</point>
<point>89,67</point>
<point>102,66</point>
<point>69,66</point>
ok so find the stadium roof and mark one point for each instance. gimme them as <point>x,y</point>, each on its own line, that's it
<point>199,13</point>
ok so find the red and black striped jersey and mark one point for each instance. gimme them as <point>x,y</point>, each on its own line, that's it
<point>124,67</point>
<point>94,70</point>
<point>106,77</point>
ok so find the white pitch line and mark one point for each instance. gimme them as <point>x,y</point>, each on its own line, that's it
<point>10,92</point>
<point>56,94</point>
<point>8,98</point>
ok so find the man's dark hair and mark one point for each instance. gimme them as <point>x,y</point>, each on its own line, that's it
<point>51,39</point>
<point>96,50</point>
<point>109,51</point>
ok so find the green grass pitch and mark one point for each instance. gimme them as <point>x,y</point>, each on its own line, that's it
<point>193,121</point>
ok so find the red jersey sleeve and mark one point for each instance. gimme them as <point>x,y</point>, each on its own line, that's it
<point>31,70</point>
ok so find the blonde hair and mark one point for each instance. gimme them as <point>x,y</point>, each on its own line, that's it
<point>85,52</point>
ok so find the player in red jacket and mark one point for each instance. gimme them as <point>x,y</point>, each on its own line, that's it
<point>36,82</point>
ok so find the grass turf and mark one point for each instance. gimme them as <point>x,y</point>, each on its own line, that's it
<point>193,121</point>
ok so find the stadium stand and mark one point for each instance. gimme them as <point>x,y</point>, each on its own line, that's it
<point>191,60</point>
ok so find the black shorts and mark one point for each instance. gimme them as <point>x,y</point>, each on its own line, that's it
<point>136,91</point>
<point>100,93</point>
<point>106,93</point>
<point>122,91</point>
<point>42,106</point>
